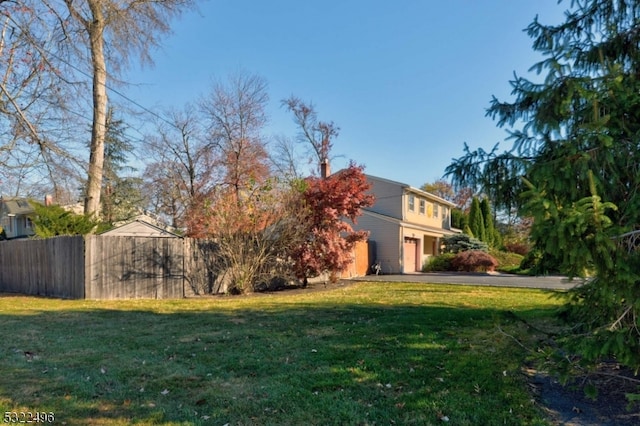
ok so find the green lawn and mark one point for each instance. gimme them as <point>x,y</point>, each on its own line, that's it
<point>366,353</point>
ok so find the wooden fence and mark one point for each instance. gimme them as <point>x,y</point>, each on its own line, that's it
<point>118,267</point>
<point>134,267</point>
<point>107,267</point>
<point>49,267</point>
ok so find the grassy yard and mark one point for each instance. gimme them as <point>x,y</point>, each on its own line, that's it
<point>365,353</point>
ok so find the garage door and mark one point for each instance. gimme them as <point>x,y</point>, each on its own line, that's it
<point>410,254</point>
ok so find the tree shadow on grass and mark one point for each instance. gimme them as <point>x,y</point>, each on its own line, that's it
<point>328,363</point>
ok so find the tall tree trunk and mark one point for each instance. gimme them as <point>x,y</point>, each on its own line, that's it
<point>99,125</point>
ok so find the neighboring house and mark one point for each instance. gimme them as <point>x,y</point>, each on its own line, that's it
<point>141,226</point>
<point>405,223</point>
<point>16,217</point>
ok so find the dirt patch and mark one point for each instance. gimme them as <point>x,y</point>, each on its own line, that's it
<point>569,405</point>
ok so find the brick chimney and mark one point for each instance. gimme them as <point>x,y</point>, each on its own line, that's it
<point>48,200</point>
<point>325,169</point>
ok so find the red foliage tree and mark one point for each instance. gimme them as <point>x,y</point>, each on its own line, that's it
<point>330,239</point>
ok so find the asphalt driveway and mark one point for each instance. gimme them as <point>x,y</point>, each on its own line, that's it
<point>549,282</point>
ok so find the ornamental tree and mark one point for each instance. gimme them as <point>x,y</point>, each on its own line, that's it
<point>330,239</point>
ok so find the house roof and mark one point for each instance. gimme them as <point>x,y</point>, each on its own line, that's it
<point>17,206</point>
<point>414,190</point>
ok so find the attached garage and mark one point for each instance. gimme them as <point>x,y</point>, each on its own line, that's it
<point>410,255</point>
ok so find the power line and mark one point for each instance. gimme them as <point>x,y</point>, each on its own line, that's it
<point>108,87</point>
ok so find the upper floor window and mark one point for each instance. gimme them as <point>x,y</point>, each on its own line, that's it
<point>422,206</point>
<point>429,210</point>
<point>436,209</point>
<point>412,202</point>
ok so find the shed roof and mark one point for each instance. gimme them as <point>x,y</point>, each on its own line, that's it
<point>17,206</point>
<point>140,228</point>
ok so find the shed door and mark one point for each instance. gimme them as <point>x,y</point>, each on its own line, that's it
<point>410,254</point>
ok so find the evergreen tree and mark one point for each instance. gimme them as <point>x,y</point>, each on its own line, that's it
<point>476,220</point>
<point>489,228</point>
<point>459,219</point>
<point>575,159</point>
<point>121,195</point>
<point>51,221</point>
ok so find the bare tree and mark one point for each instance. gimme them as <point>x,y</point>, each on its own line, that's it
<point>114,31</point>
<point>182,172</point>
<point>95,39</point>
<point>314,133</point>
<point>235,116</point>
<point>35,103</point>
<point>285,159</point>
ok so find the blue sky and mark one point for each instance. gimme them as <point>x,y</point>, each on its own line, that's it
<point>407,82</point>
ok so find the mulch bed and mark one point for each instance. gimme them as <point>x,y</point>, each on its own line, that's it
<point>569,405</point>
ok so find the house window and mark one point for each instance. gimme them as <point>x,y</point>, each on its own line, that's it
<point>436,209</point>
<point>28,224</point>
<point>412,202</point>
<point>429,210</point>
<point>422,206</point>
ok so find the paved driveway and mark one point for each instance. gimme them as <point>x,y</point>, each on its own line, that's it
<point>489,279</point>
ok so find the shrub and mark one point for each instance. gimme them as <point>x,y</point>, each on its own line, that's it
<point>506,260</point>
<point>473,261</point>
<point>520,248</point>
<point>51,221</point>
<point>441,262</point>
<point>462,242</point>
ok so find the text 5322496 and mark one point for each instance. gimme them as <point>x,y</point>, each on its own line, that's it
<point>29,417</point>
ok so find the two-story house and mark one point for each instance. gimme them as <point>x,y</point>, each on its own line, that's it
<point>15,217</point>
<point>405,223</point>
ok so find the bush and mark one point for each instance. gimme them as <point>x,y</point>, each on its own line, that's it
<point>457,243</point>
<point>51,221</point>
<point>441,262</point>
<point>474,261</point>
<point>506,260</point>
<point>520,248</point>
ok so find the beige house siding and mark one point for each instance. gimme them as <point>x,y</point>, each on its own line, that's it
<point>385,233</point>
<point>388,197</point>
<point>406,224</point>
<point>391,235</point>
<point>426,211</point>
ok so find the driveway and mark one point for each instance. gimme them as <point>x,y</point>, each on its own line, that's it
<point>549,282</point>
